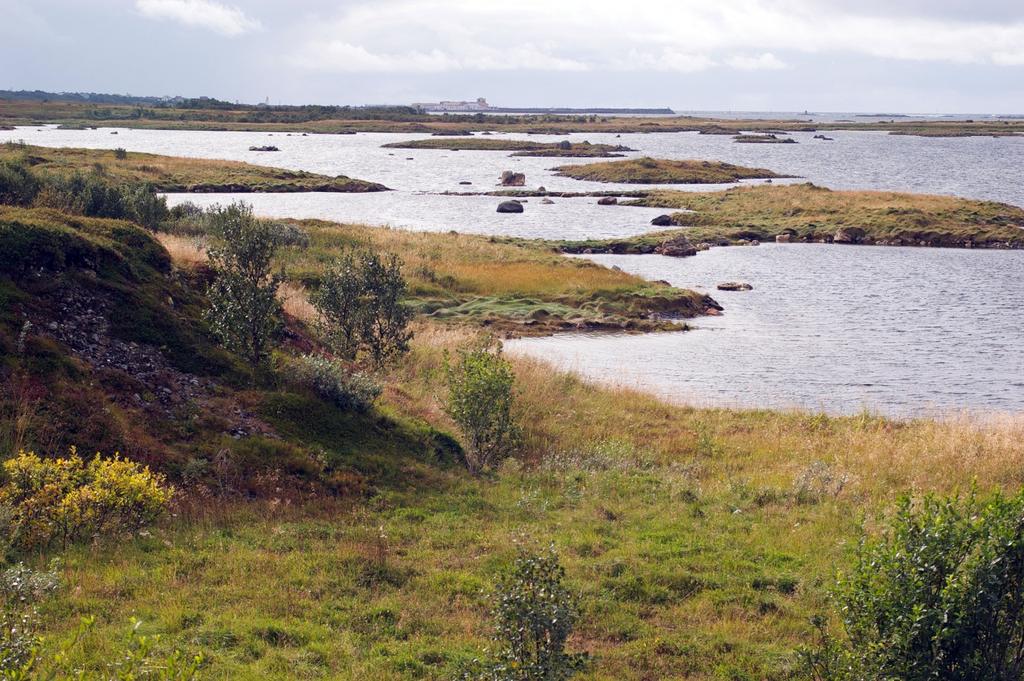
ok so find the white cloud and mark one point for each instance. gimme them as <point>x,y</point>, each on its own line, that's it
<point>683,36</point>
<point>213,16</point>
<point>766,61</point>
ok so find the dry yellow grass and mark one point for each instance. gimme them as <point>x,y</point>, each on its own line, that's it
<point>882,457</point>
<point>295,300</point>
<point>179,174</point>
<point>476,264</point>
<point>185,251</point>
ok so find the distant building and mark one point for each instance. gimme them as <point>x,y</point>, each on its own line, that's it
<point>479,105</point>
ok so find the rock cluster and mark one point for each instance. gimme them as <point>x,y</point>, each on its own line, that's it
<point>512,179</point>
<point>677,247</point>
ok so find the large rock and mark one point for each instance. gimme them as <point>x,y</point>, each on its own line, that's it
<point>735,286</point>
<point>607,201</point>
<point>848,235</point>
<point>511,179</point>
<point>662,221</point>
<point>783,238</point>
<point>510,207</point>
<point>677,247</point>
<point>565,145</point>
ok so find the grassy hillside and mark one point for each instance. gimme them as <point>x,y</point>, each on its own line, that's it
<point>806,212</point>
<point>311,541</point>
<point>177,174</point>
<point>657,171</point>
<point>701,541</point>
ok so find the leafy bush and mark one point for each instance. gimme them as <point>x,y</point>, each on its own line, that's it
<point>940,595</point>
<point>18,186</point>
<point>21,590</point>
<point>93,195</point>
<point>120,154</point>
<point>288,234</point>
<point>480,400</point>
<point>136,660</point>
<point>332,381</point>
<point>535,614</point>
<point>244,310</point>
<point>361,309</point>
<point>60,501</point>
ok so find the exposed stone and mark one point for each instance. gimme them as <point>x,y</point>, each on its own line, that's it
<point>512,179</point>
<point>677,247</point>
<point>607,201</point>
<point>848,235</point>
<point>510,207</point>
<point>735,286</point>
<point>783,238</point>
<point>662,221</point>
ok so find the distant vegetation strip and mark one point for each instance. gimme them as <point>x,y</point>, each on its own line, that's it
<point>176,174</point>
<point>808,213</point>
<point>217,115</point>
<point>520,147</point>
<point>657,171</point>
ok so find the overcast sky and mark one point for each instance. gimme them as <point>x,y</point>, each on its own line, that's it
<point>961,56</point>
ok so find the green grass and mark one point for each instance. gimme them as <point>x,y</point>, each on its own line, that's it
<point>657,171</point>
<point>809,213</point>
<point>511,288</point>
<point>320,543</point>
<point>177,174</point>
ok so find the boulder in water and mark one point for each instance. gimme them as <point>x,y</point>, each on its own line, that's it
<point>662,221</point>
<point>735,286</point>
<point>510,207</point>
<point>607,201</point>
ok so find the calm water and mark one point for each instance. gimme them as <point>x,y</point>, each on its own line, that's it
<point>901,331</point>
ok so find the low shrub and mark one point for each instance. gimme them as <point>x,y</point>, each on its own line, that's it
<point>481,397</point>
<point>535,614</point>
<point>21,591</point>
<point>939,595</point>
<point>64,500</point>
<point>334,382</point>
<point>18,186</point>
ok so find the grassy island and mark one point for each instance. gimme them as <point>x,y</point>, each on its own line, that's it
<point>657,171</point>
<point>809,213</point>
<point>520,147</point>
<point>177,174</point>
<point>511,289</point>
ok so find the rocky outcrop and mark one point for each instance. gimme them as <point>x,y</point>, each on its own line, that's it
<point>607,201</point>
<point>783,238</point>
<point>735,286</point>
<point>268,147</point>
<point>546,201</point>
<point>662,221</point>
<point>676,247</point>
<point>510,207</point>
<point>848,235</point>
<point>511,179</point>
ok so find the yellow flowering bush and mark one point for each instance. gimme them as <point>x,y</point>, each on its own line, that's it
<point>64,500</point>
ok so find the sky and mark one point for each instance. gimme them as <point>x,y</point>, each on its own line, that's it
<point>919,56</point>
